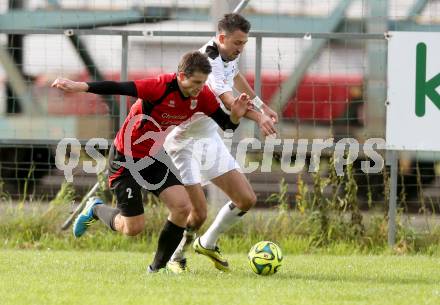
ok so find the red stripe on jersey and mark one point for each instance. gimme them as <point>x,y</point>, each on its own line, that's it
<point>115,175</point>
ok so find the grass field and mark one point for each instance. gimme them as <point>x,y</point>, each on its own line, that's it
<point>80,277</point>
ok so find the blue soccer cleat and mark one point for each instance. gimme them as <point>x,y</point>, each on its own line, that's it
<point>86,218</point>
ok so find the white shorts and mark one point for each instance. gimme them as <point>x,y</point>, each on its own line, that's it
<point>200,160</point>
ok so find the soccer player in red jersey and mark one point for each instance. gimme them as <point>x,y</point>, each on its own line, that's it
<point>136,157</point>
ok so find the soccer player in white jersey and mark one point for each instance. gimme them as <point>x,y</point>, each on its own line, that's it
<point>184,147</point>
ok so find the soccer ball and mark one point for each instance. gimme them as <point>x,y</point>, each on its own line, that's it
<point>265,258</point>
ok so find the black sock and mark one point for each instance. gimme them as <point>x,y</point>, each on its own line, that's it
<point>106,214</point>
<point>169,239</point>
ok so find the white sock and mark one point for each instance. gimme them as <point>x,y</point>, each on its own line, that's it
<point>228,216</point>
<point>188,237</point>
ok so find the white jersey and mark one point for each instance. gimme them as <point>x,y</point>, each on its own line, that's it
<point>220,80</point>
<point>200,161</point>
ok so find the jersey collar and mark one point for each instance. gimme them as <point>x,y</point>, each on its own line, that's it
<point>215,51</point>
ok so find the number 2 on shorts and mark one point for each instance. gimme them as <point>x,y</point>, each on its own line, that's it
<point>128,190</point>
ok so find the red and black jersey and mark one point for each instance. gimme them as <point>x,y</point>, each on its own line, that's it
<point>161,104</point>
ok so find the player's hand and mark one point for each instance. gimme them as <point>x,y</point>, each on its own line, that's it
<point>70,86</point>
<point>270,113</point>
<point>240,106</point>
<point>266,125</point>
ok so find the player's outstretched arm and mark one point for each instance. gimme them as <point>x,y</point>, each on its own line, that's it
<point>268,111</point>
<point>70,86</point>
<point>241,84</point>
<point>102,87</point>
<point>263,121</point>
<point>240,107</point>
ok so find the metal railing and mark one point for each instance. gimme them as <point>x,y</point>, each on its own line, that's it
<point>259,37</point>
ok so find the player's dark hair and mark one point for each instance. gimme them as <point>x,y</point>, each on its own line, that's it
<point>233,22</point>
<point>194,61</point>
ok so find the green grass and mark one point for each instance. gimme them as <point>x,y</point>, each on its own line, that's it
<point>38,227</point>
<point>80,277</point>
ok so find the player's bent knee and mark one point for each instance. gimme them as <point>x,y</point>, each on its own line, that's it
<point>253,199</point>
<point>133,229</point>
<point>181,210</point>
<point>247,201</point>
<point>199,218</point>
<point>185,210</point>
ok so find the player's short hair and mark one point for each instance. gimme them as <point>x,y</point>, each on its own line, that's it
<point>233,22</point>
<point>194,61</point>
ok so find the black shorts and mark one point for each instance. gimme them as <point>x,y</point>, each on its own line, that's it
<point>128,191</point>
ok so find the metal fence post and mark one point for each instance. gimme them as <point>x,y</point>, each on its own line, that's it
<point>257,79</point>
<point>392,162</point>
<point>124,76</point>
<point>258,55</point>
<point>241,6</point>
